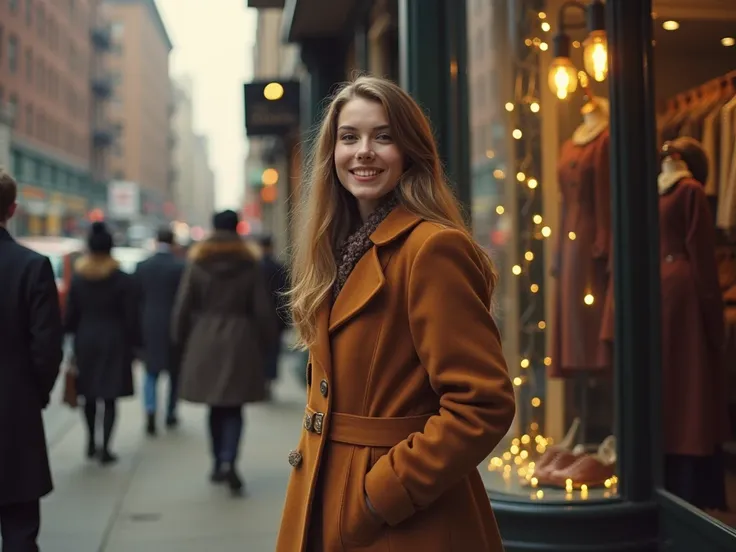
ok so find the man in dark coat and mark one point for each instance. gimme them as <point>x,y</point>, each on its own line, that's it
<point>276,279</point>
<point>158,281</point>
<point>31,339</point>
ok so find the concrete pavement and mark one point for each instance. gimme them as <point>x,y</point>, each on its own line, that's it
<point>158,497</point>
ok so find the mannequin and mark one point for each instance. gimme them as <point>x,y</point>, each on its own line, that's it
<point>583,245</point>
<point>695,405</point>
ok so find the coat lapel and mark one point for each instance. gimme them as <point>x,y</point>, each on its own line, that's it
<point>367,278</point>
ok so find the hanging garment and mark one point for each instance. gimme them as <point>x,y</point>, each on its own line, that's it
<point>581,260</point>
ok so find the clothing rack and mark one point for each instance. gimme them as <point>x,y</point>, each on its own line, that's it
<point>703,89</point>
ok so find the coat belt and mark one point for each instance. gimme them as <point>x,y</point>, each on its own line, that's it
<point>368,431</point>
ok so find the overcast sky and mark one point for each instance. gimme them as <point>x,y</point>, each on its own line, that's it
<point>213,45</point>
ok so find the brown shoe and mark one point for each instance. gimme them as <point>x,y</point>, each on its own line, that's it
<point>560,462</point>
<point>590,470</point>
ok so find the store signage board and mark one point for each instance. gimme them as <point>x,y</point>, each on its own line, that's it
<point>123,199</point>
<point>271,117</point>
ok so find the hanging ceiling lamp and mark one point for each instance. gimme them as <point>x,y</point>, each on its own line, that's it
<point>562,73</point>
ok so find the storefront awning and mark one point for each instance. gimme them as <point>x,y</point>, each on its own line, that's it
<point>305,19</point>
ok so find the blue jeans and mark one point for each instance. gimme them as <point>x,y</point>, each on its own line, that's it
<point>150,395</point>
<point>226,428</point>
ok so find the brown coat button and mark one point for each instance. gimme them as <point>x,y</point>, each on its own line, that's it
<point>323,387</point>
<point>295,458</point>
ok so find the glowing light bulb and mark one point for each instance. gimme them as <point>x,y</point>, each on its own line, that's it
<point>517,134</point>
<point>532,183</point>
<point>516,269</point>
<point>728,41</point>
<point>670,25</point>
<point>546,231</point>
<point>546,27</point>
<point>520,176</point>
<point>595,55</point>
<point>537,219</point>
<point>536,402</point>
<point>572,236</point>
<point>563,79</point>
<point>509,107</point>
<point>534,288</point>
<point>544,46</point>
<point>500,210</point>
<point>547,361</point>
<point>529,256</point>
<point>524,363</point>
<point>589,299</point>
<point>518,382</point>
<point>534,106</point>
<point>542,15</point>
<point>542,325</point>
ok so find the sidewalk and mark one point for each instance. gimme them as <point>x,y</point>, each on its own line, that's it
<point>158,497</point>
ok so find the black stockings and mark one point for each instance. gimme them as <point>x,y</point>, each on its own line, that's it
<point>108,421</point>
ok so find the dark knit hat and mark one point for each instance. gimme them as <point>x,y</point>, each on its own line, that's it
<point>692,153</point>
<point>100,239</point>
<point>226,221</point>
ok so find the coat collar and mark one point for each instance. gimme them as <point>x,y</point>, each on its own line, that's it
<point>367,278</point>
<point>5,235</point>
<point>364,283</point>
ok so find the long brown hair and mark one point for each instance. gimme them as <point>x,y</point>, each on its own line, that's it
<point>329,213</point>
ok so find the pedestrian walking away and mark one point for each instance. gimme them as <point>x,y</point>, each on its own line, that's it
<point>158,279</point>
<point>102,314</point>
<point>31,340</point>
<point>224,323</point>
<point>278,285</point>
<point>408,389</point>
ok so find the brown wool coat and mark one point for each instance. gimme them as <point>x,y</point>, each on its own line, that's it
<point>408,392</point>
<point>223,322</point>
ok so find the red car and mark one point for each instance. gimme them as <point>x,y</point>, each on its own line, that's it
<point>62,252</point>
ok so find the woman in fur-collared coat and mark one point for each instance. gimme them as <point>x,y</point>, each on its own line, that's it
<point>223,323</point>
<point>102,315</point>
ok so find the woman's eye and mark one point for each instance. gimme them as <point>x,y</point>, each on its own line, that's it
<point>347,137</point>
<point>383,137</point>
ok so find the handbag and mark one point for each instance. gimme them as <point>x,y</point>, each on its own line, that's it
<point>70,387</point>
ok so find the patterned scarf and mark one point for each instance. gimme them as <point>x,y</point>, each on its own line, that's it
<point>359,242</point>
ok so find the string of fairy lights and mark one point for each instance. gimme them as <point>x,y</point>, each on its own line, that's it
<point>524,119</point>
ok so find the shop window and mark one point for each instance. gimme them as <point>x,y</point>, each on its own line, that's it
<point>695,88</point>
<point>552,259</point>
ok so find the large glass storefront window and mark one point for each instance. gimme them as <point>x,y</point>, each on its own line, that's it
<point>540,118</point>
<point>541,202</point>
<point>695,91</point>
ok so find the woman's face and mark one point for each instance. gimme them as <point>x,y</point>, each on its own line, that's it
<point>367,161</point>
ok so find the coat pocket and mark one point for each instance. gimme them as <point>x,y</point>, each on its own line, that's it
<point>358,525</point>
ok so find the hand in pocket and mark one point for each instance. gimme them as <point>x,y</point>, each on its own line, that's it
<point>358,525</point>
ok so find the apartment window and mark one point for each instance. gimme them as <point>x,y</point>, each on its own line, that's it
<point>29,12</point>
<point>13,6</point>
<point>2,44</point>
<point>40,20</point>
<point>29,120</point>
<point>72,57</point>
<point>29,66</point>
<point>41,126</point>
<point>13,104</point>
<point>41,76</point>
<point>13,54</point>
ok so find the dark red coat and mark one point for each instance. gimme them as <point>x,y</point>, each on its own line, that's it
<point>694,400</point>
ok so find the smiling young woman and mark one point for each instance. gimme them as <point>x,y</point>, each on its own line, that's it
<point>408,389</point>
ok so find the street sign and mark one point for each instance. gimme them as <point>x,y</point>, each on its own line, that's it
<point>271,107</point>
<point>123,200</point>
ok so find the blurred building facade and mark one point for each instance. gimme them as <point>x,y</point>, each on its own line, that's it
<point>194,180</point>
<point>49,90</point>
<point>141,107</point>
